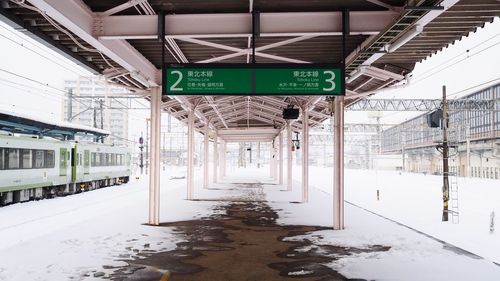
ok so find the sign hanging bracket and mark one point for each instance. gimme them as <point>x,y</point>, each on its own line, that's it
<point>255,31</point>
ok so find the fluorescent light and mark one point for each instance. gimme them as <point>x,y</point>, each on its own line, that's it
<point>356,74</point>
<point>382,74</point>
<point>139,78</point>
<point>416,30</point>
<point>373,58</point>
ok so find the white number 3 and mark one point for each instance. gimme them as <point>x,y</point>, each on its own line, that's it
<point>330,80</point>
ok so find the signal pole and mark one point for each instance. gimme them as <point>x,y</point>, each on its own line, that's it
<point>141,147</point>
<point>446,183</point>
<point>101,108</point>
<point>69,113</point>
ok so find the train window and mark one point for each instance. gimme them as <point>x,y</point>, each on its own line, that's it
<point>39,159</point>
<point>12,156</point>
<point>27,158</point>
<point>49,159</point>
<point>1,159</point>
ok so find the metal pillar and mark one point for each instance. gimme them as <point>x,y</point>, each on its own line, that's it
<point>305,156</point>
<point>205,157</point>
<point>154,156</point>
<point>216,157</point>
<point>446,183</point>
<point>258,155</point>
<point>190,155</point>
<point>221,159</point>
<point>271,160</point>
<point>280,143</point>
<point>224,158</point>
<point>69,113</point>
<point>338,167</point>
<point>275,159</point>
<point>289,155</point>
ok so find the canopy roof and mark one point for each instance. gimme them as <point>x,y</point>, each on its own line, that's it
<point>118,38</point>
<point>25,124</point>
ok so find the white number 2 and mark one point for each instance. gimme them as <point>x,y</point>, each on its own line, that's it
<point>179,79</point>
<point>330,80</point>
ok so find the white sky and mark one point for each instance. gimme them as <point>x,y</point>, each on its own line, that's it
<point>23,56</point>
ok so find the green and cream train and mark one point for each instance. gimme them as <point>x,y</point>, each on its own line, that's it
<point>33,168</point>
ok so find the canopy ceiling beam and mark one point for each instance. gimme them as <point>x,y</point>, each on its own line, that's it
<point>241,52</point>
<point>210,100</point>
<point>76,17</point>
<point>240,24</point>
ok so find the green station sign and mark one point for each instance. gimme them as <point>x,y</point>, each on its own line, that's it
<point>252,79</point>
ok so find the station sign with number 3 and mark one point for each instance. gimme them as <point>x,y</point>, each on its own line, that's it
<point>252,79</point>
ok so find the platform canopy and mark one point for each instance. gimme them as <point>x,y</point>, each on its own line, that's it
<point>24,124</point>
<point>119,39</point>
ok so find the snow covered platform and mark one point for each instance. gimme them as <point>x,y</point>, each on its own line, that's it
<point>243,229</point>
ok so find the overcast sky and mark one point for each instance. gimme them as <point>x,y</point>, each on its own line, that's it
<point>470,62</point>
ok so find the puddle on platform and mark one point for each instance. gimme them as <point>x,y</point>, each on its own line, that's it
<point>244,244</point>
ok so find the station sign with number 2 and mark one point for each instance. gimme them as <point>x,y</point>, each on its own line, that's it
<point>269,79</point>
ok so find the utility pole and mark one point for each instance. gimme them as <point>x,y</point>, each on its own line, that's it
<point>69,114</point>
<point>101,107</point>
<point>446,183</point>
<point>94,109</point>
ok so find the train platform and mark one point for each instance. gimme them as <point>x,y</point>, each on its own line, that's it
<point>246,227</point>
<point>259,231</point>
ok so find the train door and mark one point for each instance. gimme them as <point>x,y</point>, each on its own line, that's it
<point>74,163</point>
<point>63,162</point>
<point>86,161</point>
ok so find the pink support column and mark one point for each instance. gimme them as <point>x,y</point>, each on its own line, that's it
<point>280,152</point>
<point>305,156</point>
<point>338,167</point>
<point>154,157</point>
<point>289,156</point>
<point>216,157</point>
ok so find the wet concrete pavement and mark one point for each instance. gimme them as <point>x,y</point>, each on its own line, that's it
<point>245,243</point>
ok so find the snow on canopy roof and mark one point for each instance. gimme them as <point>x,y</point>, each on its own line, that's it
<point>23,123</point>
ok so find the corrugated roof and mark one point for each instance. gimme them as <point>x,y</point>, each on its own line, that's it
<point>458,21</point>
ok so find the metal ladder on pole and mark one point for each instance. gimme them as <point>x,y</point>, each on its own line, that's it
<point>453,143</point>
<point>454,198</point>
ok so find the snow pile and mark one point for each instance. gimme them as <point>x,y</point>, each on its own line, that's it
<point>300,272</point>
<point>85,235</point>
<point>415,200</point>
<point>412,255</point>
